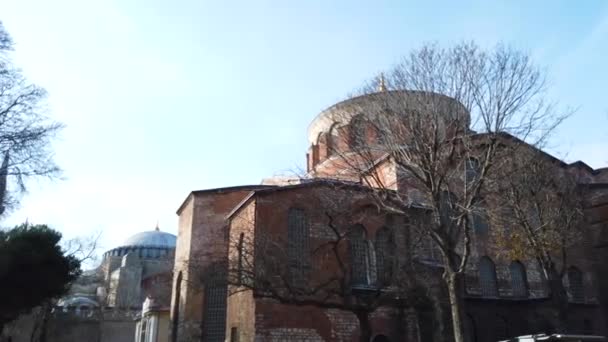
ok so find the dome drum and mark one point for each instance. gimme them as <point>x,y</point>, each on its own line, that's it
<point>343,126</point>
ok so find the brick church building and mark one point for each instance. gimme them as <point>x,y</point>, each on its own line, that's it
<point>503,298</point>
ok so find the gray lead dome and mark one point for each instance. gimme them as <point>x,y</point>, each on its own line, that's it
<point>151,244</point>
<point>153,238</point>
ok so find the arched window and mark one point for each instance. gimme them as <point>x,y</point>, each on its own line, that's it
<point>479,221</point>
<point>385,254</point>
<point>358,255</point>
<point>446,208</point>
<point>240,257</point>
<point>331,141</point>
<point>357,131</point>
<point>519,281</point>
<point>575,284</point>
<point>298,248</point>
<point>487,277</point>
<point>175,323</point>
<point>471,170</point>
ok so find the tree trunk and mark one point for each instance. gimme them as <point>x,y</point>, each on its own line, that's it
<point>365,329</point>
<point>559,301</point>
<point>456,305</point>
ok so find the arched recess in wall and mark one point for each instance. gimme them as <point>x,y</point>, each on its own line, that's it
<point>176,307</point>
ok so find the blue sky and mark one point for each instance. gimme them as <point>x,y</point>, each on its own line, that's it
<point>164,97</point>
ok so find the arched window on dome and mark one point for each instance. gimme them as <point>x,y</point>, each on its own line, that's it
<point>487,277</point>
<point>331,140</point>
<point>357,132</point>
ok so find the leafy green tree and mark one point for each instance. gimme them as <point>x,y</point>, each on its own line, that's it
<point>33,268</point>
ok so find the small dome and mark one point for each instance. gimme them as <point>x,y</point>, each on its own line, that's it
<point>153,238</point>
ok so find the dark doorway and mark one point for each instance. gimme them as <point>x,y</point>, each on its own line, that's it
<point>381,338</point>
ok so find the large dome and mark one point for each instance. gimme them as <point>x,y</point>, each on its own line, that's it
<point>153,238</point>
<point>151,244</point>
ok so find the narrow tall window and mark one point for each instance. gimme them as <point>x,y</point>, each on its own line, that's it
<point>519,282</point>
<point>487,278</point>
<point>176,308</point>
<point>240,261</point>
<point>359,257</point>
<point>385,254</point>
<point>575,284</point>
<point>298,249</point>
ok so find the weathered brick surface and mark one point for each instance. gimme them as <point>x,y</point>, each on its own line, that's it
<point>201,242</point>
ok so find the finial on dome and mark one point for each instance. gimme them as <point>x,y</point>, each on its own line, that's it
<point>157,229</point>
<point>381,83</point>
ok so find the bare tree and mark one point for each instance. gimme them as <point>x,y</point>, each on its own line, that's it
<point>439,123</point>
<point>333,264</point>
<point>25,130</point>
<point>544,217</point>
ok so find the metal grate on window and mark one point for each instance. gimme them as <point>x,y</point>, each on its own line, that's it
<point>215,313</point>
<point>298,246</point>
<point>575,284</point>
<point>359,257</point>
<point>519,283</point>
<point>487,278</point>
